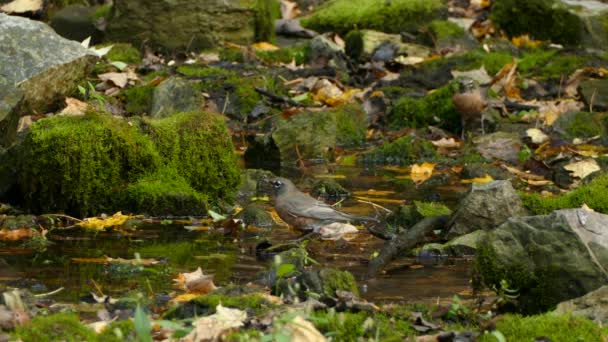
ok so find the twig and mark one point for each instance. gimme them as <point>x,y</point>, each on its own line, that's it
<point>97,287</point>
<point>277,98</point>
<point>48,294</point>
<point>375,205</point>
<point>300,160</point>
<point>63,215</point>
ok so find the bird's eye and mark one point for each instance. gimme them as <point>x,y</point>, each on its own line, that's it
<point>277,184</point>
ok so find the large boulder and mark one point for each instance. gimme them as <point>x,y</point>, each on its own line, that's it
<point>191,25</point>
<point>77,22</point>
<point>593,305</point>
<point>486,206</point>
<point>546,259</point>
<point>569,22</point>
<point>37,67</point>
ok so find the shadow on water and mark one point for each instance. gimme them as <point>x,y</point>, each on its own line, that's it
<point>76,259</point>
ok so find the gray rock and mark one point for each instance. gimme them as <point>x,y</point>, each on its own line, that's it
<point>594,93</point>
<point>255,215</point>
<point>593,305</point>
<point>549,258</point>
<point>183,24</point>
<point>76,22</point>
<point>486,206</point>
<point>323,50</point>
<point>464,245</point>
<point>499,145</point>
<point>254,184</point>
<point>175,95</point>
<point>39,65</point>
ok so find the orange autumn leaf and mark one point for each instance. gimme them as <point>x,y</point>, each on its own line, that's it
<point>420,173</point>
<point>16,234</point>
<point>479,180</point>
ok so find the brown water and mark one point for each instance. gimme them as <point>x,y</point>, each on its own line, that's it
<point>72,261</point>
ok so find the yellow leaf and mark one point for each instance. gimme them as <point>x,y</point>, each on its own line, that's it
<point>525,41</point>
<point>95,223</point>
<point>186,297</point>
<point>420,173</point>
<point>479,180</point>
<point>331,176</point>
<point>264,46</point>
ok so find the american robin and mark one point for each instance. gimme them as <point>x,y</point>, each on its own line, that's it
<point>303,212</point>
<point>470,103</point>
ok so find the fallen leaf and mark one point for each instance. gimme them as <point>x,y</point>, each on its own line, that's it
<point>479,180</point>
<point>22,6</point>
<point>74,107</point>
<point>289,9</point>
<point>479,75</point>
<point>536,135</point>
<point>583,168</point>
<point>95,223</point>
<point>525,41</point>
<point>446,143</point>
<point>421,173</point>
<point>373,192</point>
<point>16,234</point>
<point>264,46</point>
<point>119,79</point>
<point>195,282</point>
<point>301,330</point>
<point>337,230</point>
<point>214,326</point>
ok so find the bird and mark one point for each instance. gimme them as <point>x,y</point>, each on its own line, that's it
<point>304,212</point>
<point>470,103</point>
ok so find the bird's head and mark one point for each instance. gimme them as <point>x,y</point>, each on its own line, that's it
<point>467,84</point>
<point>281,185</point>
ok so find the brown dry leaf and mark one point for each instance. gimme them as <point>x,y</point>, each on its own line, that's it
<point>479,180</point>
<point>593,151</point>
<point>22,6</point>
<point>289,9</point>
<point>95,223</point>
<point>421,173</point>
<point>538,183</point>
<point>264,46</point>
<point>74,107</point>
<point>119,79</point>
<point>446,143</point>
<point>551,110</point>
<point>211,328</point>
<point>301,330</point>
<point>195,282</point>
<point>380,199</point>
<point>583,168</point>
<point>16,234</point>
<point>522,174</point>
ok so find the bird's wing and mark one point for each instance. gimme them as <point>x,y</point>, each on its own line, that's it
<point>306,206</point>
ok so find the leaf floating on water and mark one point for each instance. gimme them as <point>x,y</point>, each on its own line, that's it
<point>479,180</point>
<point>215,216</point>
<point>95,223</point>
<point>16,234</point>
<point>421,173</point>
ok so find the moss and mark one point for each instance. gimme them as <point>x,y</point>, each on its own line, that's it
<point>266,12</point>
<point>92,159</point>
<point>351,125</point>
<point>328,188</point>
<point>199,147</point>
<point>436,108</point>
<point>349,326</point>
<point>124,52</point>
<point>119,331</point>
<point>102,12</point>
<point>551,326</point>
<point>204,305</point>
<point>403,151</point>
<point>138,99</point>
<point>334,280</point>
<point>592,194</point>
<point>394,17</point>
<point>443,29</point>
<point>586,125</point>
<point>58,327</point>
<point>543,19</point>
<point>232,55</point>
<point>165,192</point>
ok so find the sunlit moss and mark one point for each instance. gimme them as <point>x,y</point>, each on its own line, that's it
<point>138,99</point>
<point>403,151</point>
<point>57,327</point>
<point>123,52</point>
<point>349,326</point>
<point>551,326</point>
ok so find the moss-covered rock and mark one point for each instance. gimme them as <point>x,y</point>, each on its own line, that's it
<point>393,17</point>
<point>581,124</point>
<point>119,331</point>
<point>164,192</point>
<point>593,194</point>
<point>206,304</point>
<point>299,54</point>
<point>255,215</point>
<point>403,151</point>
<point>351,125</point>
<point>352,326</point>
<point>198,146</point>
<point>336,280</point>
<point>329,188</point>
<point>80,165</point>
<point>123,52</point>
<point>58,327</point>
<point>408,215</point>
<point>436,108</point>
<point>175,95</point>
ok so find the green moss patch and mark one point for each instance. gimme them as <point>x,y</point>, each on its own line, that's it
<point>198,146</point>
<point>119,331</point>
<point>551,326</point>
<point>299,54</point>
<point>80,165</point>
<point>58,327</point>
<point>123,52</point>
<point>593,194</point>
<point>392,17</point>
<point>436,108</point>
<point>334,280</point>
<point>266,12</point>
<point>138,99</point>
<point>351,125</point>
<point>543,19</point>
<point>349,326</point>
<point>165,191</point>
